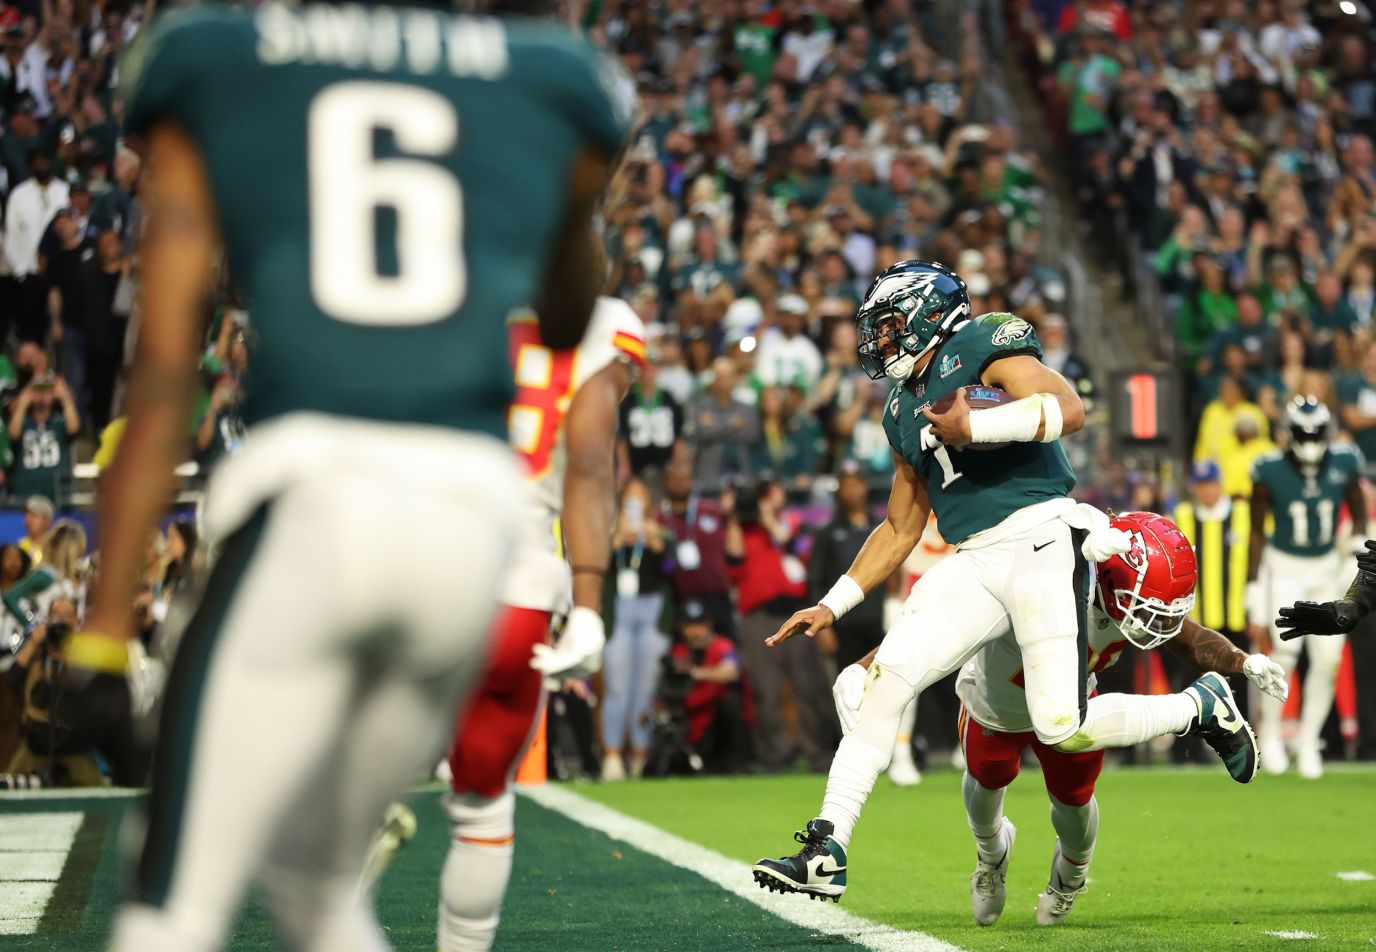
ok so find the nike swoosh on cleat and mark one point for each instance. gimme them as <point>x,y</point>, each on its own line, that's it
<point>823,871</point>
<point>1038,548</point>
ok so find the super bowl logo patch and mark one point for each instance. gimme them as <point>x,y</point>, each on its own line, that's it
<point>1014,329</point>
<point>949,365</point>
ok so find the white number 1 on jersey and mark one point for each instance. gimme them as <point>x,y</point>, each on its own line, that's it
<point>943,456</point>
<point>347,187</point>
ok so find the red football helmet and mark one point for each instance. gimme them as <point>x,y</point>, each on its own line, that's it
<point>1149,589</point>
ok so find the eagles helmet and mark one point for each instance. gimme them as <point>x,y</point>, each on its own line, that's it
<point>1311,429</point>
<point>910,308</point>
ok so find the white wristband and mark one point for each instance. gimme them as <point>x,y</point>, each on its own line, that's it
<point>844,596</point>
<point>1051,410</point>
<point>1015,422</point>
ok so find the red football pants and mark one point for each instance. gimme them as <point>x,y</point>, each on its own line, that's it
<point>498,722</point>
<point>993,758</point>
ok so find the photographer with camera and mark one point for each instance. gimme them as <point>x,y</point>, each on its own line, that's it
<point>770,585</point>
<point>700,712</point>
<point>41,437</point>
<point>61,732</point>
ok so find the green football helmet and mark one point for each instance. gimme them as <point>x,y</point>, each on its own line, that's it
<point>911,307</point>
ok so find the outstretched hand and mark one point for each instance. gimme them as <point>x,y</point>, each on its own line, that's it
<point>808,622</point>
<point>1366,561</point>
<point>1317,618</point>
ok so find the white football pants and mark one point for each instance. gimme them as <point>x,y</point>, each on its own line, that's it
<point>318,678</point>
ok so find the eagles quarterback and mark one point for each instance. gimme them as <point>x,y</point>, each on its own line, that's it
<point>1302,490</point>
<point>1143,597</point>
<point>387,182</point>
<point>1022,559</point>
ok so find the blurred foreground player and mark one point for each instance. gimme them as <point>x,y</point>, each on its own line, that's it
<point>563,425</point>
<point>384,203</point>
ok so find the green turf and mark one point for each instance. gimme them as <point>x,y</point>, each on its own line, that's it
<point>1186,858</point>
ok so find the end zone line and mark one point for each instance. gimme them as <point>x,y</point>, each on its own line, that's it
<point>732,875</point>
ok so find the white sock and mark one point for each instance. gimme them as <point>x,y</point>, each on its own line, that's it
<point>1077,828</point>
<point>476,871</point>
<point>864,753</point>
<point>1123,720</point>
<point>984,811</point>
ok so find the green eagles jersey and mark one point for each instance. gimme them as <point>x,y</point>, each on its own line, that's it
<point>42,456</point>
<point>389,183</point>
<point>972,490</point>
<point>1306,510</point>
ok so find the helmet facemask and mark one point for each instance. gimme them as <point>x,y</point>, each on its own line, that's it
<point>909,310</point>
<point>1310,426</point>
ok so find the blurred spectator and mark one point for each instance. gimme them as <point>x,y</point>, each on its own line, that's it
<point>1357,393</point>
<point>106,298</point>
<point>716,724</point>
<point>31,206</point>
<point>38,521</point>
<point>719,429</point>
<point>651,426</point>
<point>697,533</point>
<point>786,356</point>
<point>42,437</point>
<point>220,428</point>
<point>1221,416</point>
<point>181,555</point>
<point>834,547</point>
<point>770,586</point>
<point>1054,335</point>
<point>790,445</point>
<point>631,662</point>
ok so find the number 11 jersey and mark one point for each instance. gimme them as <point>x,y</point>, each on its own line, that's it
<point>389,182</point>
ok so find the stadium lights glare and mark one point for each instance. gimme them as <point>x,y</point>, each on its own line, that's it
<point>1348,7</point>
<point>747,344</point>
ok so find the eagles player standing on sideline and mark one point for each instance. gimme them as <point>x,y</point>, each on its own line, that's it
<point>563,425</point>
<point>1302,489</point>
<point>1023,549</point>
<point>388,182</point>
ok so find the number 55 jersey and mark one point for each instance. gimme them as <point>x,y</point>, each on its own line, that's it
<point>389,181</point>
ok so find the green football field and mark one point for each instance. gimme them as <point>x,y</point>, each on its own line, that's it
<point>1186,859</point>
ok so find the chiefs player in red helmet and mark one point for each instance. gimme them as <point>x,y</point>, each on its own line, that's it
<point>1142,597</point>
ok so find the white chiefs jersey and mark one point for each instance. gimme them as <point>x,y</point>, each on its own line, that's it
<point>991,683</point>
<point>546,382</point>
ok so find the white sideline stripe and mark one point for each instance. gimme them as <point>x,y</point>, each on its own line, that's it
<point>1356,876</point>
<point>733,876</point>
<point>1290,934</point>
<point>72,793</point>
<point>35,849</point>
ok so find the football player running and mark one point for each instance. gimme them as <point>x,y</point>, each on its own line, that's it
<point>369,517</point>
<point>1023,549</point>
<point>563,425</point>
<point>1143,598</point>
<point>1302,490</point>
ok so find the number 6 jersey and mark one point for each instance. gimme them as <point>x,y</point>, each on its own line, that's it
<point>389,183</point>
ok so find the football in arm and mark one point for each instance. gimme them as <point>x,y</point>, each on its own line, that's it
<point>979,397</point>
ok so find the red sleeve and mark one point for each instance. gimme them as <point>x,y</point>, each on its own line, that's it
<point>1067,21</point>
<point>1122,24</point>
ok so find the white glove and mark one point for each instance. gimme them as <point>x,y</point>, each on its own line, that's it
<point>1102,540</point>
<point>577,652</point>
<point>1268,676</point>
<point>847,693</point>
<point>928,440</point>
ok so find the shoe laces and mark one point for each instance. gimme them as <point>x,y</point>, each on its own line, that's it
<point>986,879</point>
<point>814,844</point>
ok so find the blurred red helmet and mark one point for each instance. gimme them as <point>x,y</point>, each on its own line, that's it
<point>1149,589</point>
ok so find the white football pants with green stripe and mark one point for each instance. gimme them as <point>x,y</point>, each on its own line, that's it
<point>319,677</point>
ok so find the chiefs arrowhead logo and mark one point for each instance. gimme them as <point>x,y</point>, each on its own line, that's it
<point>1136,555</point>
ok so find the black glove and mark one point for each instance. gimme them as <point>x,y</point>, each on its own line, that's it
<point>1366,561</point>
<point>1318,618</point>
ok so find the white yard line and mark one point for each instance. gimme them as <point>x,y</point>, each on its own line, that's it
<point>1356,876</point>
<point>1291,934</point>
<point>732,875</point>
<point>33,850</point>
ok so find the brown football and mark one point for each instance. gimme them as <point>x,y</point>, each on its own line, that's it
<point>979,397</point>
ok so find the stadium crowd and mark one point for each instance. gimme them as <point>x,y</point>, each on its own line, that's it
<point>785,152</point>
